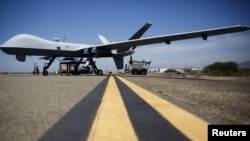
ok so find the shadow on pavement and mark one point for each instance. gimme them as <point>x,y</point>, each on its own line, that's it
<point>76,124</point>
<point>149,125</point>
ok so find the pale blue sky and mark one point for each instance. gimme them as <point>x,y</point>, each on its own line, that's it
<point>117,20</point>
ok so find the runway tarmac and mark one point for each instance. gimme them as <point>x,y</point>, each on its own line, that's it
<point>90,108</point>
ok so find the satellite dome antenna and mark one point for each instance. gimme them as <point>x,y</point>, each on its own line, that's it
<point>56,39</point>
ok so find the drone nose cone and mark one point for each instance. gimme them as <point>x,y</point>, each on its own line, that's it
<point>15,41</point>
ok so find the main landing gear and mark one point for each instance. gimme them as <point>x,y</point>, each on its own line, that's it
<point>47,65</point>
<point>76,72</point>
<point>97,71</point>
<point>91,62</point>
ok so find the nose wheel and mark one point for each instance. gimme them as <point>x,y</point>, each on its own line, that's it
<point>45,72</point>
<point>47,65</point>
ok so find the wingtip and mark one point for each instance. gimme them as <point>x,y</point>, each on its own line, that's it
<point>245,27</point>
<point>148,23</point>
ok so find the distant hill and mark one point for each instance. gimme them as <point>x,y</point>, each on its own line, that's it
<point>244,65</point>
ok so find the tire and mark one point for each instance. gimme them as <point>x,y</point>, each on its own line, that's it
<point>134,72</point>
<point>99,72</point>
<point>45,73</point>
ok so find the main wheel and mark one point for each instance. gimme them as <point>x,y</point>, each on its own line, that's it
<point>99,72</point>
<point>45,73</point>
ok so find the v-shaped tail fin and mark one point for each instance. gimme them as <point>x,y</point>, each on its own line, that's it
<point>103,39</point>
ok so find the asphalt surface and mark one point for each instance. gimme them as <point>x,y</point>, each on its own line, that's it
<point>148,123</point>
<point>218,100</point>
<point>48,108</point>
<point>62,108</point>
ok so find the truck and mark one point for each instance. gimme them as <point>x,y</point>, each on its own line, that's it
<point>138,67</point>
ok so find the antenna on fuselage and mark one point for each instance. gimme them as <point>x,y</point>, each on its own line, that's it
<point>64,38</point>
<point>56,39</point>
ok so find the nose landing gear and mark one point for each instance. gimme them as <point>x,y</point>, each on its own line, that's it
<point>47,65</point>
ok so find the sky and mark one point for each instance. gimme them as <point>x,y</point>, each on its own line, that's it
<point>82,20</point>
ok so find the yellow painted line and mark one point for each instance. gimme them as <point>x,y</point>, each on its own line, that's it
<point>191,126</point>
<point>112,121</point>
